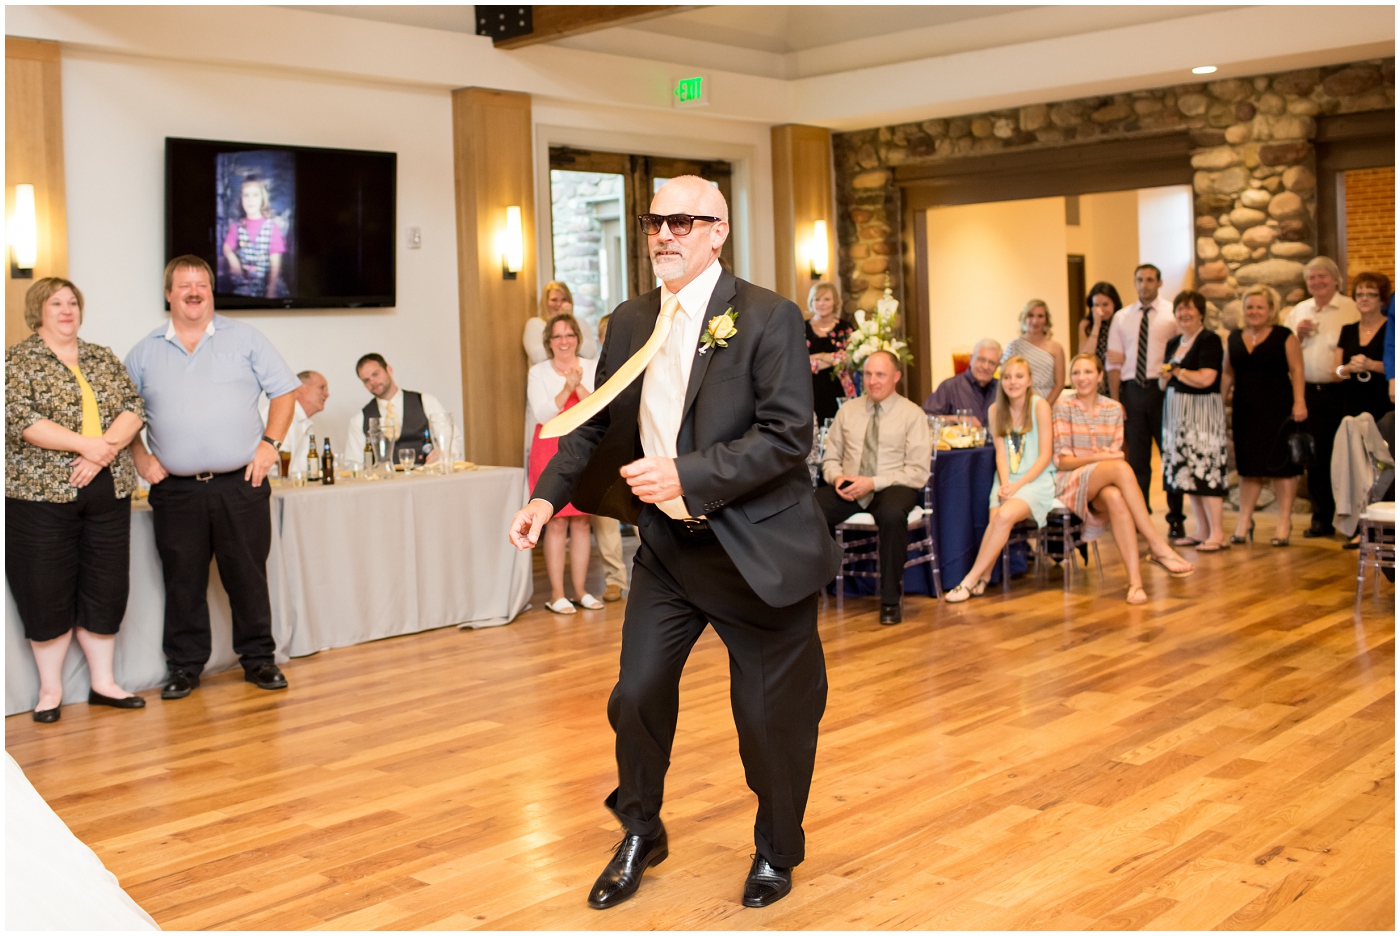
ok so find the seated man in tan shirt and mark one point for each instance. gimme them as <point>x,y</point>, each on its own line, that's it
<point>877,459</point>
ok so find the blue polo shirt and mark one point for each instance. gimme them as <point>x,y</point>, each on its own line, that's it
<point>202,406</point>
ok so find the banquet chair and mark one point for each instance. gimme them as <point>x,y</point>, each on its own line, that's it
<point>1033,536</point>
<point>1377,550</point>
<point>1067,529</point>
<point>865,546</point>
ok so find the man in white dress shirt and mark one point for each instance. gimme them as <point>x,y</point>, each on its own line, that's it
<point>403,415</point>
<point>1318,322</point>
<point>310,399</point>
<point>1137,348</point>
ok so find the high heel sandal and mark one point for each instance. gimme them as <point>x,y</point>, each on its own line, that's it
<point>1248,537</point>
<point>1281,540</point>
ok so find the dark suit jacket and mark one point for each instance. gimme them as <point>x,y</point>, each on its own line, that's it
<point>742,447</point>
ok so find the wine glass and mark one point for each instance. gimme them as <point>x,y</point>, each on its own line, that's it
<point>406,456</point>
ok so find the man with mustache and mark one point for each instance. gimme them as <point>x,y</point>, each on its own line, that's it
<point>701,441</point>
<point>202,376</point>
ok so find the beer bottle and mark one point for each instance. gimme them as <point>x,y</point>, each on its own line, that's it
<point>313,463</point>
<point>327,463</point>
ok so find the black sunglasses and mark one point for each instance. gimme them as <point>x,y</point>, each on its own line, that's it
<point>680,224</point>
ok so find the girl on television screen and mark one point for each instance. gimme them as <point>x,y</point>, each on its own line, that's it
<point>255,245</point>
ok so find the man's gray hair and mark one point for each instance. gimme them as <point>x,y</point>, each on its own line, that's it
<point>987,343</point>
<point>1328,266</point>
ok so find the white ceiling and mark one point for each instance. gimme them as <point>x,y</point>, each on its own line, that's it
<point>789,42</point>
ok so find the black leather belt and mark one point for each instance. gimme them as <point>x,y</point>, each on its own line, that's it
<point>207,476</point>
<point>1325,386</point>
<point>693,527</point>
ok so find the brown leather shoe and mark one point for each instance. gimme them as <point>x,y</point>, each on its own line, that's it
<point>612,593</point>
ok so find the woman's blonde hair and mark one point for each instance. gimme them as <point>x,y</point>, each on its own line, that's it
<point>567,319</point>
<point>1086,356</point>
<point>1270,296</point>
<point>1026,312</point>
<point>550,287</point>
<point>817,289</point>
<point>41,292</point>
<point>1001,410</point>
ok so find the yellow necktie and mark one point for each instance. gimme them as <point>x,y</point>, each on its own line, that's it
<point>580,413</point>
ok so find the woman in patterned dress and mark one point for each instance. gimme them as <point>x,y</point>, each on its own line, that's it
<point>1193,422</point>
<point>1093,479</point>
<point>1025,483</point>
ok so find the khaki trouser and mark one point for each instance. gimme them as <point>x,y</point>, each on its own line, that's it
<point>609,534</point>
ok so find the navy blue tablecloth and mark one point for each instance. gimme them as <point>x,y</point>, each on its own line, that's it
<point>962,489</point>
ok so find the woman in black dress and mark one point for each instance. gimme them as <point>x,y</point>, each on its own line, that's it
<point>1361,349</point>
<point>1264,378</point>
<point>826,338</point>
<point>1193,422</point>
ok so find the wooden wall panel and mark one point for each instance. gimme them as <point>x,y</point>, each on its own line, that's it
<point>494,168</point>
<point>34,154</point>
<point>802,194</point>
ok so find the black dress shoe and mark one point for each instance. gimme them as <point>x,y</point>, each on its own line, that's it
<point>132,701</point>
<point>766,884</point>
<point>1176,531</point>
<point>1317,532</point>
<point>48,716</point>
<point>265,676</point>
<point>179,684</point>
<point>623,875</point>
<point>890,614</point>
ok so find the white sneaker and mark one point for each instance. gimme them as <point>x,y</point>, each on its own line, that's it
<point>591,603</point>
<point>562,606</point>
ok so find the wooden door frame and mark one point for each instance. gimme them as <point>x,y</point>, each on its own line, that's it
<point>1347,141</point>
<point>1082,169</point>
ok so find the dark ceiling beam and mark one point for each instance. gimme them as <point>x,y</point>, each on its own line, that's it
<point>557,22</point>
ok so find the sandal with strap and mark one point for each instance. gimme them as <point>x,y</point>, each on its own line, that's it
<point>1174,573</point>
<point>562,606</point>
<point>957,594</point>
<point>1138,589</point>
<point>978,589</point>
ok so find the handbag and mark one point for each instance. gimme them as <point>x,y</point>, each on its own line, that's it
<point>1302,448</point>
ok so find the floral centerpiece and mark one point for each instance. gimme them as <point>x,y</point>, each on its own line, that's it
<point>874,331</point>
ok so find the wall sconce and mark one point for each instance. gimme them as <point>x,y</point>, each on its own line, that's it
<point>24,234</point>
<point>512,244</point>
<point>817,250</point>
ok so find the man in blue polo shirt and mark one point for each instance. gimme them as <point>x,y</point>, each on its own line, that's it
<point>202,376</point>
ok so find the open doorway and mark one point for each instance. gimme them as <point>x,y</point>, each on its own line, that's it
<point>987,260</point>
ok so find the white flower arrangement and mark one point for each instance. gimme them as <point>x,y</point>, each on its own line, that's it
<point>873,332</point>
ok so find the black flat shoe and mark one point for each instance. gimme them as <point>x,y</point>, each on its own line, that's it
<point>130,702</point>
<point>265,676</point>
<point>891,614</point>
<point>623,875</point>
<point>1352,543</point>
<point>1176,531</point>
<point>766,884</point>
<point>179,684</point>
<point>48,716</point>
<point>1315,533</point>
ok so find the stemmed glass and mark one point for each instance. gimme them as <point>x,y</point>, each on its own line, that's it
<point>406,455</point>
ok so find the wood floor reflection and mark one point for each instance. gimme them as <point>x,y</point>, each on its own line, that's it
<point>1221,757</point>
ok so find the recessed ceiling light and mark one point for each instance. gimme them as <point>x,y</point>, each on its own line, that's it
<point>1203,70</point>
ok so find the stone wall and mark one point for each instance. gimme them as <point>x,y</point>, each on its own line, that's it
<point>1253,160</point>
<point>578,234</point>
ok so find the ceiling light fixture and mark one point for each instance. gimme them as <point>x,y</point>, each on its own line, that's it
<point>1203,70</point>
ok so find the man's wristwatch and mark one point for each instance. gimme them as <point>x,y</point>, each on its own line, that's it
<point>275,443</point>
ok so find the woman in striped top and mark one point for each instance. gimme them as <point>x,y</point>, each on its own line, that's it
<point>1045,355</point>
<point>1093,478</point>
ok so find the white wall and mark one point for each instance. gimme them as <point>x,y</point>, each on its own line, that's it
<point>985,262</point>
<point>117,112</point>
<point>1166,237</point>
<point>1107,236</point>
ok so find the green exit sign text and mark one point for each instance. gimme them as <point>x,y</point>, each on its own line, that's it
<point>691,92</point>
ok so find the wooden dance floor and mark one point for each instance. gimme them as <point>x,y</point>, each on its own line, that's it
<point>1222,757</point>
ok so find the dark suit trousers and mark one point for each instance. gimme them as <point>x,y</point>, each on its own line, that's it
<point>228,519</point>
<point>1142,426</point>
<point>777,682</point>
<point>890,508</point>
<point>1326,409</point>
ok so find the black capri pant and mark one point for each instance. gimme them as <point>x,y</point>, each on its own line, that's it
<point>68,565</point>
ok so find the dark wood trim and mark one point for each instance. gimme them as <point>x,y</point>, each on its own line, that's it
<point>1110,166</point>
<point>548,23</point>
<point>1347,141</point>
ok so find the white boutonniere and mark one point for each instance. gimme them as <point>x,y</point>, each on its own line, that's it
<point>719,331</point>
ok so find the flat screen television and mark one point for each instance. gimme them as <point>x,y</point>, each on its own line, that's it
<point>284,227</point>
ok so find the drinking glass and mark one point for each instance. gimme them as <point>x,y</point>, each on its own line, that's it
<point>298,479</point>
<point>405,456</point>
<point>962,359</point>
<point>356,470</point>
<point>440,427</point>
<point>285,457</point>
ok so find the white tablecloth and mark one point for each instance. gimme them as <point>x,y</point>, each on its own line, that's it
<point>352,562</point>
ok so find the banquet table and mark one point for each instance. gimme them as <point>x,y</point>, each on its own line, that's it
<point>350,562</point>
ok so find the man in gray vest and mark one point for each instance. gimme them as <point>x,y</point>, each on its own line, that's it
<point>403,414</point>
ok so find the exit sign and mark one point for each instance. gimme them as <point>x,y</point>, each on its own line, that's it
<point>691,92</point>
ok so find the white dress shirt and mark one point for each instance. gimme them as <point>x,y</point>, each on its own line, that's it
<point>298,435</point>
<point>1123,336</point>
<point>391,408</point>
<point>668,374</point>
<point>533,340</point>
<point>545,383</point>
<point>1320,348</point>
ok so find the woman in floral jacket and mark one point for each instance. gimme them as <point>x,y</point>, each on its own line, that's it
<point>70,412</point>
